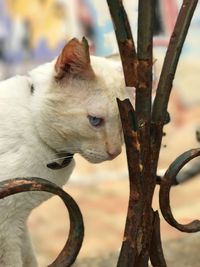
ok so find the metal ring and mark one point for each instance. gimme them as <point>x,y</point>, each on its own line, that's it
<point>76,233</point>
<point>165,186</point>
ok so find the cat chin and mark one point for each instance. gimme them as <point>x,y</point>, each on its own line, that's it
<point>95,159</point>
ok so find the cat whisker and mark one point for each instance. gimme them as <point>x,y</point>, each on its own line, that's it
<point>66,157</point>
<point>63,154</point>
<point>65,151</point>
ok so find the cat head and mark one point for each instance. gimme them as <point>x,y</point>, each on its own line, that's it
<point>74,103</point>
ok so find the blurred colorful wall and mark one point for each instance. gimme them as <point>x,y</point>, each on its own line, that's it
<point>34,31</point>
<point>37,29</point>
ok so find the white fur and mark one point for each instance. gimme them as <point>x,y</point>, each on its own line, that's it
<point>34,127</point>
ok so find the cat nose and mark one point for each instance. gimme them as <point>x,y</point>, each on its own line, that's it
<point>113,153</point>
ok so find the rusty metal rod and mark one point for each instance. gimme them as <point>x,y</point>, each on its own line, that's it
<point>165,186</point>
<point>159,112</point>
<point>143,111</point>
<point>171,59</point>
<point>136,127</point>
<point>144,54</point>
<point>129,250</point>
<point>76,233</point>
<point>156,252</point>
<point>143,149</point>
<point>125,41</point>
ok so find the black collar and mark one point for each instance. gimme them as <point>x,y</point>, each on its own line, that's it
<point>65,163</point>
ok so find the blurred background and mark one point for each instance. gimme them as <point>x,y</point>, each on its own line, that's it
<point>33,32</point>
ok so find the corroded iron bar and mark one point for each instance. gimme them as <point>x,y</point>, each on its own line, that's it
<point>144,53</point>
<point>165,186</point>
<point>140,217</point>
<point>129,250</point>
<point>159,112</point>
<point>71,249</point>
<point>171,59</point>
<point>156,252</point>
<point>143,111</point>
<point>125,41</point>
<point>129,61</point>
<point>143,142</point>
<point>144,89</point>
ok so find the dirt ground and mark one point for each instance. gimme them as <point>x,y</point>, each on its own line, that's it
<point>102,194</point>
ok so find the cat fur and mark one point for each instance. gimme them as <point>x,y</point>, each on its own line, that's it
<point>35,125</point>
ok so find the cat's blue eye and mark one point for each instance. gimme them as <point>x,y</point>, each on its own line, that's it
<point>95,121</point>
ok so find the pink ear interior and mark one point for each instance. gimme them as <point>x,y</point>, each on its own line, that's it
<point>74,61</point>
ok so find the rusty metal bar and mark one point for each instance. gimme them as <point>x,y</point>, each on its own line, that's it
<point>76,233</point>
<point>159,112</point>
<point>129,249</point>
<point>144,87</point>
<point>171,59</point>
<point>136,127</point>
<point>143,131</point>
<point>143,111</point>
<point>125,41</point>
<point>145,61</point>
<point>156,252</point>
<point>165,186</point>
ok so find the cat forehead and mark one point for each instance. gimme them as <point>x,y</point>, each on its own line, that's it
<point>108,83</point>
<point>109,76</point>
<point>104,65</point>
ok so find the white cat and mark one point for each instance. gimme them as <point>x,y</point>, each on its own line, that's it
<point>61,108</point>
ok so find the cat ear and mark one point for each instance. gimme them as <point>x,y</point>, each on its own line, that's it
<point>74,61</point>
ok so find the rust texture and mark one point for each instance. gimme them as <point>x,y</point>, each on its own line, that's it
<point>156,246</point>
<point>71,249</point>
<point>165,186</point>
<point>130,244</point>
<point>171,59</point>
<point>143,127</point>
<point>168,73</point>
<point>125,41</point>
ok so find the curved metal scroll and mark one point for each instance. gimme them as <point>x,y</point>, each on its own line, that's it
<point>76,233</point>
<point>165,186</point>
